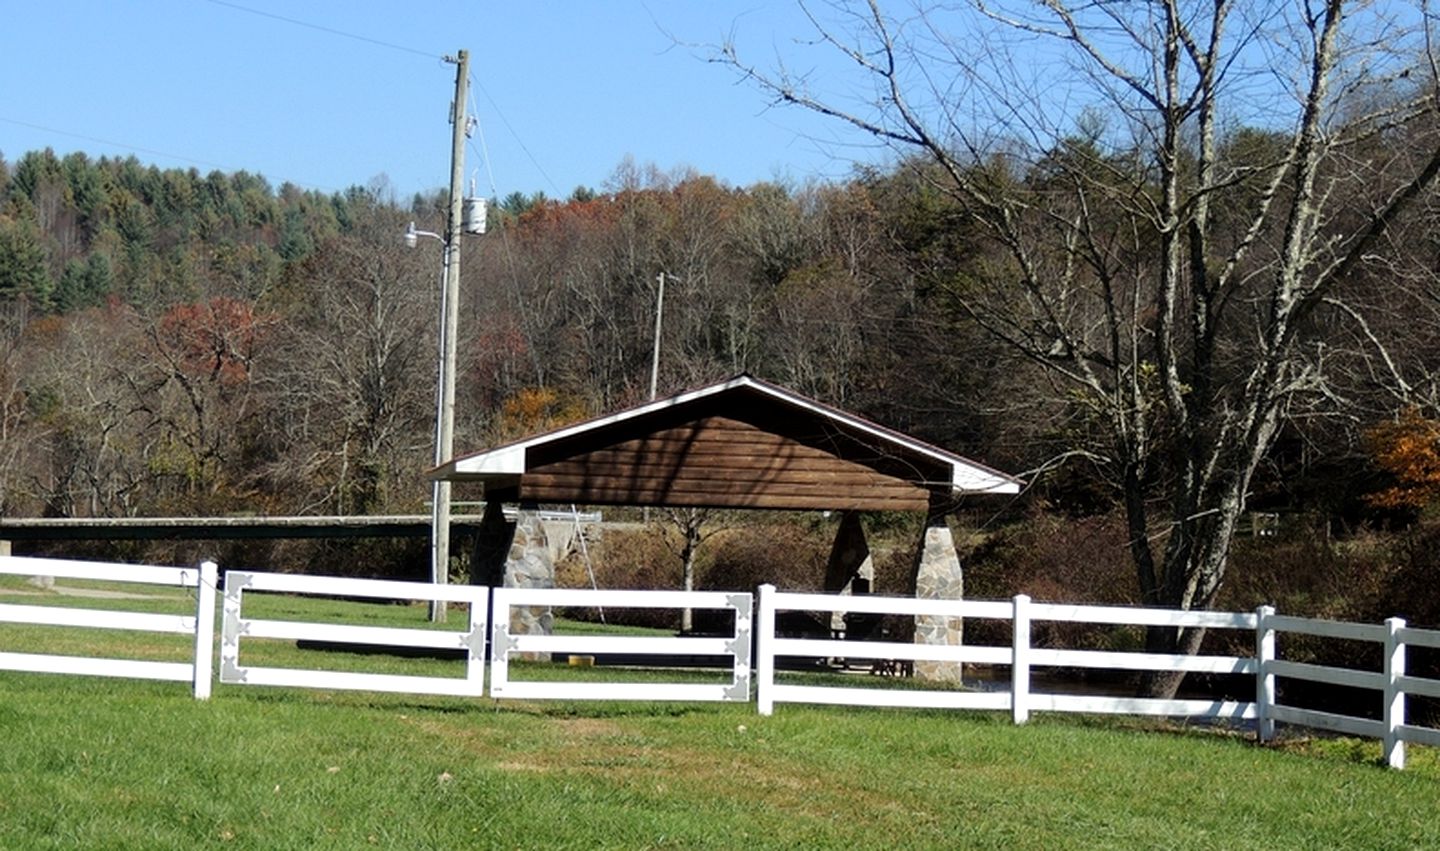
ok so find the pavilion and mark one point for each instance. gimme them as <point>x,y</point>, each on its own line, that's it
<point>741,443</point>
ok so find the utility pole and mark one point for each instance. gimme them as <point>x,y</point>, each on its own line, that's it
<point>449,330</point>
<point>655,359</point>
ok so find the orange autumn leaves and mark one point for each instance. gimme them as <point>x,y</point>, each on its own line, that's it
<point>1408,449</point>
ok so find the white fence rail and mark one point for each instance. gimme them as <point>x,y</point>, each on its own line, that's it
<point>1021,699</point>
<point>1266,665</point>
<point>201,625</point>
<point>1025,702</point>
<point>236,626</point>
<point>505,646</point>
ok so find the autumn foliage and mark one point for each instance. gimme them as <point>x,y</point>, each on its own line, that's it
<point>535,410</point>
<point>1408,449</point>
<point>214,339</point>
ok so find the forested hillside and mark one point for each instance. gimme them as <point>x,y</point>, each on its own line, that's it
<point>179,343</point>
<point>186,343</point>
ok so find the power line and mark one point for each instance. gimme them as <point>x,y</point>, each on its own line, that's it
<point>505,242</point>
<point>519,141</point>
<point>475,84</point>
<point>331,30</point>
<point>111,142</point>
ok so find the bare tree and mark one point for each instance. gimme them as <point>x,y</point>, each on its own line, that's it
<point>689,525</point>
<point>1166,276</point>
<point>352,387</point>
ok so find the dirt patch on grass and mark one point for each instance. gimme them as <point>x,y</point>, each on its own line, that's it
<point>611,752</point>
<point>588,728</point>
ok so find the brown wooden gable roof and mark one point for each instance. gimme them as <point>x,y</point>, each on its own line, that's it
<point>742,443</point>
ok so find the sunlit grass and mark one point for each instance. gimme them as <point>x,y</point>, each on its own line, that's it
<point>115,764</point>
<point>134,764</point>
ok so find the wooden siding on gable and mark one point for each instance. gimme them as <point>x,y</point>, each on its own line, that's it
<point>722,462</point>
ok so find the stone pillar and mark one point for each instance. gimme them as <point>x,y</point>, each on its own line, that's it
<point>938,575</point>
<point>529,565</point>
<point>850,570</point>
<point>515,555</point>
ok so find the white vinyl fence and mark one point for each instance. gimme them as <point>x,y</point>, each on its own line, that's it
<point>1027,657</point>
<point>772,645</point>
<point>237,626</point>
<point>1266,665</point>
<point>1392,682</point>
<point>201,625</point>
<point>506,646</point>
<point>1022,698</point>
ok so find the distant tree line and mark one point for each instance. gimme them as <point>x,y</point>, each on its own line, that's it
<point>179,343</point>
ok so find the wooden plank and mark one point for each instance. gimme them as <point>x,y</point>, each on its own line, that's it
<point>721,486</point>
<point>721,442</point>
<point>725,436</point>
<point>729,480</point>
<point>708,456</point>
<point>597,494</point>
<point>710,500</point>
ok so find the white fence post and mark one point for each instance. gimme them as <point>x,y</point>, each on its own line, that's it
<point>1020,661</point>
<point>764,651</point>
<point>1394,715</point>
<point>500,640</point>
<point>205,629</point>
<point>1264,678</point>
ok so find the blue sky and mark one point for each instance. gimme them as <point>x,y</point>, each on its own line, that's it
<point>564,90</point>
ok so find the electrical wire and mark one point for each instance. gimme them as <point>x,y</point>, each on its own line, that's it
<point>331,30</point>
<point>484,154</point>
<point>110,142</point>
<point>474,84</point>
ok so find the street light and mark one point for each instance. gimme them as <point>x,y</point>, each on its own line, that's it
<point>444,422</point>
<point>412,236</point>
<point>466,216</point>
<point>473,222</point>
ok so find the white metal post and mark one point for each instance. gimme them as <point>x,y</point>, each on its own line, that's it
<point>1264,678</point>
<point>499,640</point>
<point>764,651</point>
<point>659,312</point>
<point>205,629</point>
<point>1020,661</point>
<point>1394,714</point>
<point>478,638</point>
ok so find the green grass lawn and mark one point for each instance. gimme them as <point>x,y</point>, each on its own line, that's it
<point>96,763</point>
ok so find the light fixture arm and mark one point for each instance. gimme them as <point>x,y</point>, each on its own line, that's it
<point>412,236</point>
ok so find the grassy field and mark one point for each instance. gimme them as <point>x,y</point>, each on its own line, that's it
<point>93,763</point>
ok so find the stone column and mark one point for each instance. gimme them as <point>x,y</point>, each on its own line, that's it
<point>529,565</point>
<point>515,555</point>
<point>938,575</point>
<point>850,570</point>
